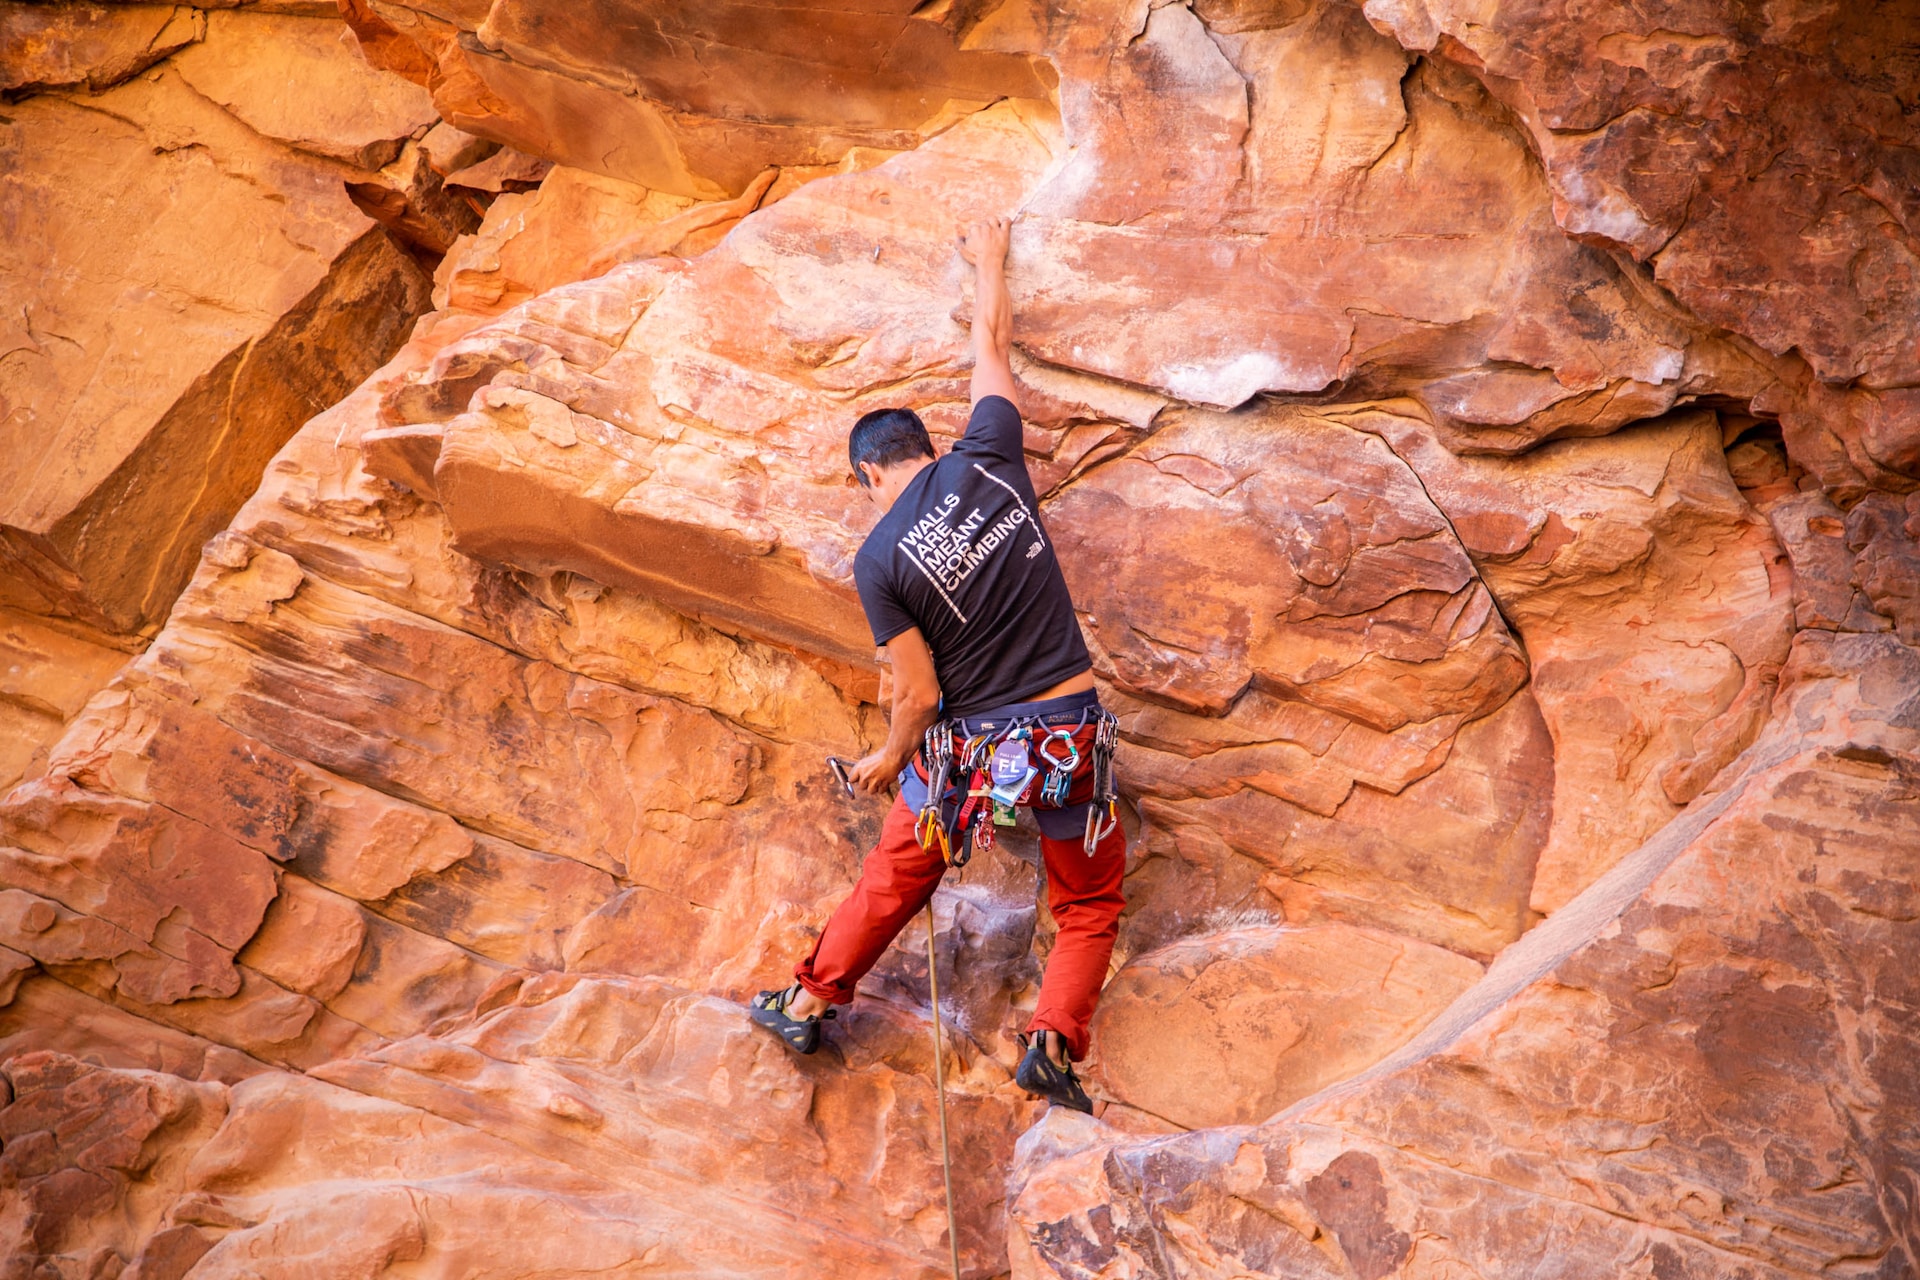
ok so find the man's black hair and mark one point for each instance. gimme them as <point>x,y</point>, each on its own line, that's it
<point>887,436</point>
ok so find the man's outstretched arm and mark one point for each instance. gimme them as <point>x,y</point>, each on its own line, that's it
<point>984,244</point>
<point>916,704</point>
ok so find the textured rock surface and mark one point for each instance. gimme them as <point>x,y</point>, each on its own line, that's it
<point>1483,456</point>
<point>1797,230</point>
<point>160,345</point>
<point>1691,1070</point>
<point>1230,1027</point>
<point>46,677</point>
<point>697,101</point>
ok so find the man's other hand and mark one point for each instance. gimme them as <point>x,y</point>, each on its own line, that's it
<point>873,774</point>
<point>985,240</point>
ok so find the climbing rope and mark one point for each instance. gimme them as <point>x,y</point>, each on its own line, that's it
<point>940,1087</point>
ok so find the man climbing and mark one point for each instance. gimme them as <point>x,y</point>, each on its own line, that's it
<point>993,703</point>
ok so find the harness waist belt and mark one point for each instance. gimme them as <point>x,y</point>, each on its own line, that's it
<point>1066,709</point>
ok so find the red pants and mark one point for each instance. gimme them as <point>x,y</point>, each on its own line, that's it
<point>899,877</point>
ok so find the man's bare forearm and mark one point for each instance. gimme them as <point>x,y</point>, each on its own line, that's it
<point>984,244</point>
<point>907,728</point>
<point>916,704</point>
<point>992,311</point>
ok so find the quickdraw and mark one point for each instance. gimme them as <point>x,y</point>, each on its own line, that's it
<point>1103,815</point>
<point>929,828</point>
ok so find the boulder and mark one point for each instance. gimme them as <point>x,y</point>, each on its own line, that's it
<point>226,292</point>
<point>1234,1026</point>
<point>1701,1063</point>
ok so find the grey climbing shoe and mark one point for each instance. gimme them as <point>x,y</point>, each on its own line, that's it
<point>769,1009</point>
<point>1058,1085</point>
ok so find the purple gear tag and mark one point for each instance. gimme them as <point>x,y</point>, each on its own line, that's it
<point>1009,763</point>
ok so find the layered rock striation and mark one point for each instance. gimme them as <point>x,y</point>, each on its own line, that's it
<point>1483,455</point>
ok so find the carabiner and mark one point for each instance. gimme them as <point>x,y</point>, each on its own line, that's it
<point>1072,760</point>
<point>930,831</point>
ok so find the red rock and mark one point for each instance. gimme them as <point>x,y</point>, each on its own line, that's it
<point>1441,566</point>
<point>1654,610</point>
<point>299,81</point>
<point>408,198</point>
<point>46,676</point>
<point>1234,1027</point>
<point>697,102</point>
<point>577,224</point>
<point>1755,157</point>
<point>187,378</point>
<point>1253,240</point>
<point>503,170</point>
<point>76,1138</point>
<point>1643,1082</point>
<point>91,45</point>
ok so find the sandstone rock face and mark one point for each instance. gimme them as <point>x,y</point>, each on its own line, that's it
<point>695,102</point>
<point>1797,232</point>
<point>95,46</point>
<point>1231,1027</point>
<point>1599,1098</point>
<point>161,343</point>
<point>46,677</point>
<point>1512,610</point>
<point>186,278</point>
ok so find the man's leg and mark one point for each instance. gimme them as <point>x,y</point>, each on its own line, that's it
<point>895,882</point>
<point>1084,894</point>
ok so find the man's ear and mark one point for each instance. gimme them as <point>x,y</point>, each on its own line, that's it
<point>869,474</point>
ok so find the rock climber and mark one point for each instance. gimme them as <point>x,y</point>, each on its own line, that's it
<point>993,704</point>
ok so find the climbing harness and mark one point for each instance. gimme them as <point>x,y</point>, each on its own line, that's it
<point>940,1087</point>
<point>975,780</point>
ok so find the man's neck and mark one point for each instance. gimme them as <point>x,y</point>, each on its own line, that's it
<point>894,480</point>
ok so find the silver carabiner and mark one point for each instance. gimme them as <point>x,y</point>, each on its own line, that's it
<point>1072,760</point>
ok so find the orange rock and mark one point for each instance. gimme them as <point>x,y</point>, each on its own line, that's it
<point>697,102</point>
<point>1361,229</point>
<point>46,677</point>
<point>1654,608</point>
<point>300,82</point>
<point>91,45</point>
<point>575,225</point>
<point>1441,566</point>
<point>1644,1081</point>
<point>1759,161</point>
<point>185,377</point>
<point>77,1140</point>
<point>1230,1028</point>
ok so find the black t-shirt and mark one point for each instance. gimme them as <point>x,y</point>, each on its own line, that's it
<point>963,556</point>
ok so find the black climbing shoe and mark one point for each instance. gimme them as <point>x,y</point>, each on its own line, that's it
<point>1058,1085</point>
<point>802,1035</point>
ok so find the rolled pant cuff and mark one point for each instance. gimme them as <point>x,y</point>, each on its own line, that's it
<point>1077,1044</point>
<point>827,991</point>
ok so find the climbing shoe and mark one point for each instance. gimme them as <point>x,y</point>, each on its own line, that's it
<point>1058,1085</point>
<point>769,1009</point>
